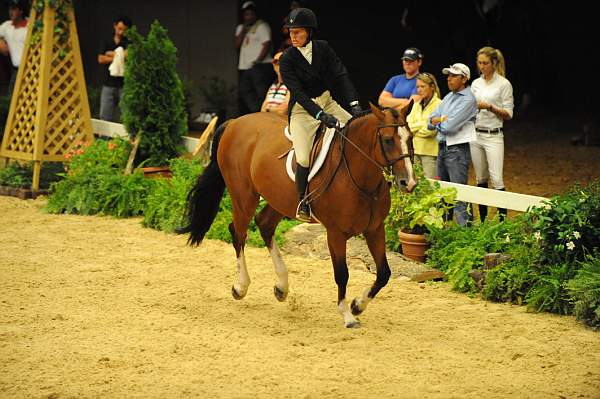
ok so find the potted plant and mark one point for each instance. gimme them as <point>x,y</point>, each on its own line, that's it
<point>413,215</point>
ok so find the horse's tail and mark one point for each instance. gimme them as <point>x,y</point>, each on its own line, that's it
<point>204,198</point>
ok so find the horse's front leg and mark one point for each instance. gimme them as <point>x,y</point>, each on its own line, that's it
<point>376,242</point>
<point>337,249</point>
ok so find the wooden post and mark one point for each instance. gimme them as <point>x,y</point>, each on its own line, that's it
<point>49,110</point>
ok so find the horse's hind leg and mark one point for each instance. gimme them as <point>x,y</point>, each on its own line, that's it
<point>267,221</point>
<point>376,242</point>
<point>337,249</point>
<point>243,210</point>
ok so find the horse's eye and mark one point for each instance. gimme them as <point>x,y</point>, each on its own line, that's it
<point>388,141</point>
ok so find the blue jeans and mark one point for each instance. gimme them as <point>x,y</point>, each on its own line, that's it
<point>453,166</point>
<point>109,103</point>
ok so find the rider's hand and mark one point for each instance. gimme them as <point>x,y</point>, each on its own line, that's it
<point>328,119</point>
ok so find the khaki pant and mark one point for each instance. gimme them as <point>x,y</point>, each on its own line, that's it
<point>429,165</point>
<point>303,126</point>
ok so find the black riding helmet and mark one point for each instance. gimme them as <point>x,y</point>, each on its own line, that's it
<point>302,18</point>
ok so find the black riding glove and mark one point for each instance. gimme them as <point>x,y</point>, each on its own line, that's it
<point>328,119</point>
<point>355,109</point>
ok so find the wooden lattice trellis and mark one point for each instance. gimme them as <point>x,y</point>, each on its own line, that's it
<point>49,110</point>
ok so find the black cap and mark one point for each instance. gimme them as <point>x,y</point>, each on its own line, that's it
<point>412,53</point>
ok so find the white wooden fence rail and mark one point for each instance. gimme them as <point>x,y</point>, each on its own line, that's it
<point>112,129</point>
<point>476,195</point>
<point>489,197</point>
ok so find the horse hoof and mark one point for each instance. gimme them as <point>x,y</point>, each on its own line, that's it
<point>235,294</point>
<point>353,324</point>
<point>279,294</point>
<point>355,309</point>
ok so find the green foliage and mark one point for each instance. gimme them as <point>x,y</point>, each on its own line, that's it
<point>166,204</point>
<point>61,22</point>
<point>511,280</point>
<point>153,98</point>
<point>569,227</point>
<point>456,250</point>
<point>418,212</point>
<point>220,227</point>
<point>20,175</point>
<point>95,183</point>
<point>584,290</point>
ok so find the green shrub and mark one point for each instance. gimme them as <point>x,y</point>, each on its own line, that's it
<point>568,228</point>
<point>220,227</point>
<point>512,279</point>
<point>20,175</point>
<point>166,204</point>
<point>95,183</point>
<point>457,250</point>
<point>584,291</point>
<point>153,99</point>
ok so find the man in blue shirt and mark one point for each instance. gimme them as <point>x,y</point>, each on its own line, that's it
<point>401,88</point>
<point>454,121</point>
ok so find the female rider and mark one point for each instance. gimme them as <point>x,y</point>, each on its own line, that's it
<point>312,72</point>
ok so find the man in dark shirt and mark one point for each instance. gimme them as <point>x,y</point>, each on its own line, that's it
<point>112,86</point>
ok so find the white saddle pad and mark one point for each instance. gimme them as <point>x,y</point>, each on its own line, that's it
<point>327,139</point>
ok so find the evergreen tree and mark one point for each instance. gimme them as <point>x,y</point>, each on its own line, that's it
<point>153,100</point>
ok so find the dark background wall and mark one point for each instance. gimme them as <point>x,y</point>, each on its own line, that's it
<point>547,44</point>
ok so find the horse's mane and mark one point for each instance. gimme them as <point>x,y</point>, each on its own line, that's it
<point>366,112</point>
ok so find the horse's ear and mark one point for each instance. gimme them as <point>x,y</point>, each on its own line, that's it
<point>408,108</point>
<point>378,113</point>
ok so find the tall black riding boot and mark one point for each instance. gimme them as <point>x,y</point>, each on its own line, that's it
<point>303,211</point>
<point>483,209</point>
<point>502,212</point>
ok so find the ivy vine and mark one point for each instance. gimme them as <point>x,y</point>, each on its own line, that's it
<point>61,22</point>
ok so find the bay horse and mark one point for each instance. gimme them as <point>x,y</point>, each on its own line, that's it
<point>349,195</point>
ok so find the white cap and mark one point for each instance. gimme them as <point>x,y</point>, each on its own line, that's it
<point>458,69</point>
<point>248,4</point>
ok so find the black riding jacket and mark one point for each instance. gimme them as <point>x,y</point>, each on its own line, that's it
<point>306,81</point>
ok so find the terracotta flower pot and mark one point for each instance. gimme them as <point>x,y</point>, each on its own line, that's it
<point>414,245</point>
<point>157,171</point>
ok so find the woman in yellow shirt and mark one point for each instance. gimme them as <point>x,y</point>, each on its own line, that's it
<point>424,141</point>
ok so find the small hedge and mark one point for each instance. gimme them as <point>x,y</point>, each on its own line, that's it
<point>95,184</point>
<point>554,263</point>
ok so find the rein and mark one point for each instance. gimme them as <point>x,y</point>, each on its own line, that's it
<point>312,196</point>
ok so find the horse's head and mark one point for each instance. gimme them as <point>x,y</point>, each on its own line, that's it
<point>395,142</point>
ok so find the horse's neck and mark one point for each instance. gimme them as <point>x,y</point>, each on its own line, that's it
<point>363,133</point>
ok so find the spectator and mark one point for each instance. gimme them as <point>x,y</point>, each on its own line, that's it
<point>253,39</point>
<point>424,142</point>
<point>278,96</point>
<point>12,37</point>
<point>401,88</point>
<point>454,122</point>
<point>494,95</point>
<point>310,69</point>
<point>112,87</point>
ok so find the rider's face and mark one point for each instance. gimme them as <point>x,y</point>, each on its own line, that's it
<point>299,37</point>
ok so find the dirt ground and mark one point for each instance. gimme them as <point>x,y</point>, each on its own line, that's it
<point>99,307</point>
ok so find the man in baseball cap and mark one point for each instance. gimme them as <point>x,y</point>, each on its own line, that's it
<point>454,121</point>
<point>458,69</point>
<point>412,54</point>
